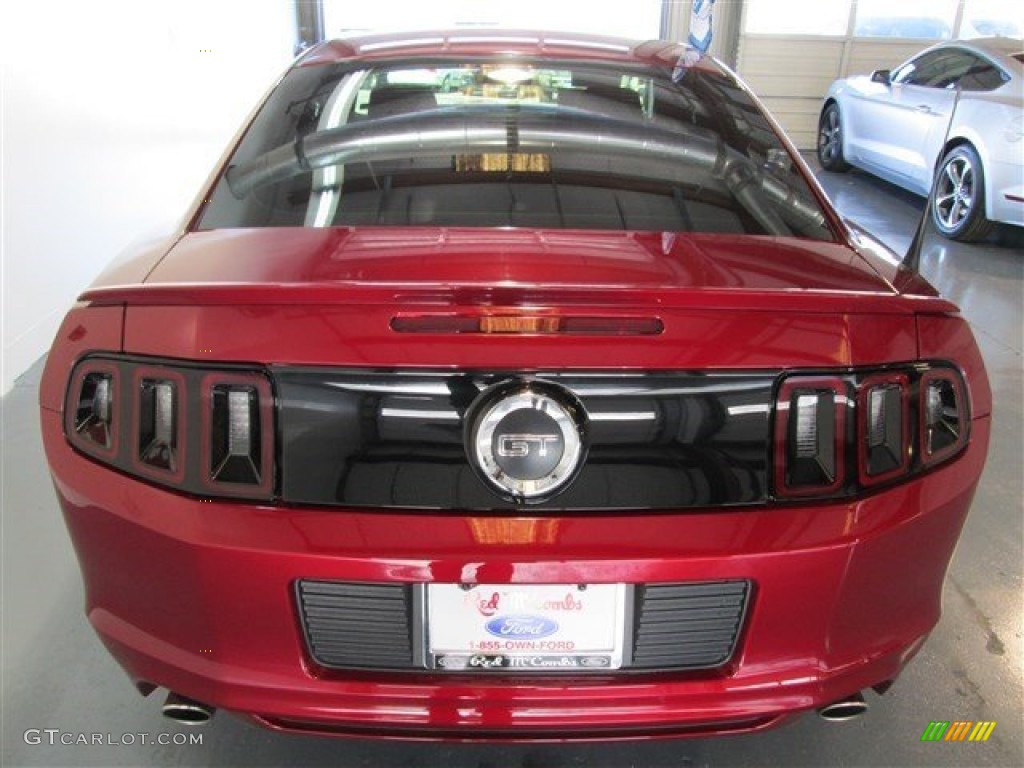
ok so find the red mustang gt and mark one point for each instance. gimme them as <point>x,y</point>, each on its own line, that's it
<point>503,385</point>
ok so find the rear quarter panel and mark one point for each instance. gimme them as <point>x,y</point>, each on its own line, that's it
<point>993,123</point>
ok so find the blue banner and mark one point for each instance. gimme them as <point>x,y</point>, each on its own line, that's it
<point>700,25</point>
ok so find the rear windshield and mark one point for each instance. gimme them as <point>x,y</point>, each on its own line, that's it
<point>534,144</point>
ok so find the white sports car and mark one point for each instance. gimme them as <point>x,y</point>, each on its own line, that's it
<point>897,125</point>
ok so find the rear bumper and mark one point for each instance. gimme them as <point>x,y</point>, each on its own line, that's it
<point>198,597</point>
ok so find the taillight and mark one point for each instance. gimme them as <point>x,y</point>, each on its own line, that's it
<point>179,425</point>
<point>944,421</point>
<point>883,434</point>
<point>211,432</point>
<point>90,418</point>
<point>837,435</point>
<point>810,435</point>
<point>159,422</point>
<point>237,434</point>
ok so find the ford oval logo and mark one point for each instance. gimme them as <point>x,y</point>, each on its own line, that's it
<point>526,627</point>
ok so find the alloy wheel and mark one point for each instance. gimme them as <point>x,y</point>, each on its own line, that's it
<point>954,193</point>
<point>830,136</point>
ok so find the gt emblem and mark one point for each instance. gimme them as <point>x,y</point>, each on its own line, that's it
<point>526,439</point>
<point>518,446</point>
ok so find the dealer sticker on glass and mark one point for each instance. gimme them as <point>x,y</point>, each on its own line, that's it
<point>525,628</point>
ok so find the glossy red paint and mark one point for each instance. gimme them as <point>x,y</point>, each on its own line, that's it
<point>359,335</point>
<point>809,640</point>
<point>722,304</point>
<point>85,329</point>
<point>196,596</point>
<point>435,257</point>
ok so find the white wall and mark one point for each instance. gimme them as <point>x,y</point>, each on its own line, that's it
<point>113,113</point>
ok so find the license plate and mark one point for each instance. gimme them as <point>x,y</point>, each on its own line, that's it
<point>525,628</point>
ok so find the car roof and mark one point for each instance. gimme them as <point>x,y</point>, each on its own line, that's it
<point>1006,52</point>
<point>492,41</point>
<point>1005,46</point>
<point>1000,49</point>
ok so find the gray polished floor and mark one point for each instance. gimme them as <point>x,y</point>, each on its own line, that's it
<point>57,676</point>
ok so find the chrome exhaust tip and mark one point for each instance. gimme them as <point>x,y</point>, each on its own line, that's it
<point>181,709</point>
<point>840,711</point>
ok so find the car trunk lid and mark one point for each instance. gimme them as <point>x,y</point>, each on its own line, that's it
<point>332,296</point>
<point>439,258</point>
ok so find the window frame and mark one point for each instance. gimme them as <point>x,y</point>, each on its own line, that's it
<point>952,53</point>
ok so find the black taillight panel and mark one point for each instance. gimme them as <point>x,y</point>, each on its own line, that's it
<point>887,424</point>
<point>205,432</point>
<point>212,431</point>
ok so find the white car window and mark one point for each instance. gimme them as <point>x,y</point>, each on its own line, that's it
<point>982,76</point>
<point>949,68</point>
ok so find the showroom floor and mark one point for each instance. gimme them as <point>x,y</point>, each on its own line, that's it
<point>56,674</point>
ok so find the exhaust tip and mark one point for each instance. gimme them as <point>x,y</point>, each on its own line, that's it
<point>181,709</point>
<point>849,708</point>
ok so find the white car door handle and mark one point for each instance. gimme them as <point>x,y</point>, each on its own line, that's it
<point>923,108</point>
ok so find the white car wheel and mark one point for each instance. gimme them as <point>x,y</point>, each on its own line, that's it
<point>958,196</point>
<point>830,140</point>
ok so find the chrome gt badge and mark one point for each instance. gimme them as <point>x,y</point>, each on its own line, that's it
<point>526,439</point>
